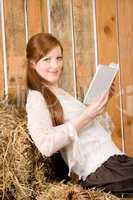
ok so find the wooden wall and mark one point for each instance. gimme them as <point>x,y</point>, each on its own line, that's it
<point>91,32</point>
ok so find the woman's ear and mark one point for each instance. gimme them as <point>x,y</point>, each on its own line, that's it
<point>33,63</point>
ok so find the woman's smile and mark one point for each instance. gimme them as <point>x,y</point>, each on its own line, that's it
<point>53,72</point>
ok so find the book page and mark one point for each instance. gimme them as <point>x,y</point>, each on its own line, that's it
<point>101,81</point>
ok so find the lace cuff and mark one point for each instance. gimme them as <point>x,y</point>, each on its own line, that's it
<point>72,131</point>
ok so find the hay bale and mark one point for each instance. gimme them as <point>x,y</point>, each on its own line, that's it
<point>60,191</point>
<point>16,166</point>
<point>24,173</point>
<point>23,166</point>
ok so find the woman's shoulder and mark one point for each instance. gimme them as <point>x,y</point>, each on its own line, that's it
<point>34,94</point>
<point>34,97</point>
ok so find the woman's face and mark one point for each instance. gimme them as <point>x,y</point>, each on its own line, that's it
<point>50,66</point>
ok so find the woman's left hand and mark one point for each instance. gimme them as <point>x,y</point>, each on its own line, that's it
<point>112,90</point>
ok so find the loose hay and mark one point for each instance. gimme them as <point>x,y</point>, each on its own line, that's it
<point>24,173</point>
<point>62,191</point>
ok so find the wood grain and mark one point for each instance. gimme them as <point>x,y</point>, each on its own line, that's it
<point>37,16</point>
<point>61,27</point>
<point>125,12</point>
<point>107,52</point>
<point>84,45</point>
<point>1,64</point>
<point>15,41</point>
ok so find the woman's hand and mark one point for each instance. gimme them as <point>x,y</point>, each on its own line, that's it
<point>91,112</point>
<point>97,107</point>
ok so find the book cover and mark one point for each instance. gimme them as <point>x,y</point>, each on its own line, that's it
<point>101,81</point>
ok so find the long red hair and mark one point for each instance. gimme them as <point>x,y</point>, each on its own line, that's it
<point>39,46</point>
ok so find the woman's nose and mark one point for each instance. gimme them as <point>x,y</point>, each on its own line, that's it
<point>54,63</point>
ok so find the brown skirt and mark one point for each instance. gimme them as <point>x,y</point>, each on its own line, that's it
<point>115,175</point>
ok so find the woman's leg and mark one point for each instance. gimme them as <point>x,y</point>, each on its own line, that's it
<point>115,175</point>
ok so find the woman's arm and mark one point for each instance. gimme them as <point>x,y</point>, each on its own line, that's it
<point>47,138</point>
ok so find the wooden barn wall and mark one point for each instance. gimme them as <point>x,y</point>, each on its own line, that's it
<point>91,32</point>
<point>1,61</point>
<point>107,42</point>
<point>114,41</point>
<point>125,22</point>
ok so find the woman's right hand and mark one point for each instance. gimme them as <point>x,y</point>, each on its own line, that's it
<point>91,112</point>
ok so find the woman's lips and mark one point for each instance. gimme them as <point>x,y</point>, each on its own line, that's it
<point>53,73</point>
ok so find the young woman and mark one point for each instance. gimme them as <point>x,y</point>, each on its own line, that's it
<point>59,122</point>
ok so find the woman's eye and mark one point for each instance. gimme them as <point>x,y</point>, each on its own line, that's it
<point>47,60</point>
<point>59,58</point>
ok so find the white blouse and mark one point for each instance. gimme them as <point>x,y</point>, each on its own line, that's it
<point>83,152</point>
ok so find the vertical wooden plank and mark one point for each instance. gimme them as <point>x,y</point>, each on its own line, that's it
<point>106,30</point>
<point>61,27</point>
<point>84,44</point>
<point>44,14</point>
<point>125,13</point>
<point>15,41</point>
<point>37,16</point>
<point>1,61</point>
<point>107,52</point>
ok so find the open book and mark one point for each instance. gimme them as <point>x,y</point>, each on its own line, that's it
<point>101,81</point>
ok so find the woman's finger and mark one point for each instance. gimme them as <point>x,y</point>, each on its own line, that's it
<point>105,97</point>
